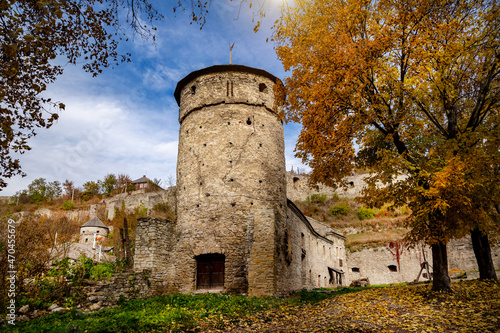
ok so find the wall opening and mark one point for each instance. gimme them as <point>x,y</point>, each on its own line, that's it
<point>355,269</point>
<point>193,90</point>
<point>210,271</point>
<point>249,121</point>
<point>262,87</point>
<point>393,268</point>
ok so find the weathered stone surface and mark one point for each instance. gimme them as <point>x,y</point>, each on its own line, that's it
<point>52,307</point>
<point>24,309</point>
<point>364,282</point>
<point>94,307</point>
<point>383,266</point>
<point>58,309</point>
<point>93,299</point>
<point>231,196</point>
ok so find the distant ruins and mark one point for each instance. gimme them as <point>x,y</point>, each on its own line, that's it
<point>235,230</point>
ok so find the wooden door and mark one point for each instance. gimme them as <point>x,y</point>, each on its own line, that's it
<point>210,271</point>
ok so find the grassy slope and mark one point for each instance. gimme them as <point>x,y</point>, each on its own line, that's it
<point>386,226</point>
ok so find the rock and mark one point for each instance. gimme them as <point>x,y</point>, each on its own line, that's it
<point>94,307</point>
<point>22,318</point>
<point>364,282</point>
<point>93,299</point>
<point>58,309</point>
<point>24,309</point>
<point>52,307</point>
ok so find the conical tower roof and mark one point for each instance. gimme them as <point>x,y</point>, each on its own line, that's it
<point>94,222</point>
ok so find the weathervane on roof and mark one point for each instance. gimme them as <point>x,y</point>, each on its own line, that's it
<point>231,54</point>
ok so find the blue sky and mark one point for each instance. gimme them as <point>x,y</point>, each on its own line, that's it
<point>126,119</point>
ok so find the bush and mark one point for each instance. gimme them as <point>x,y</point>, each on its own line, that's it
<point>68,204</point>
<point>162,209</point>
<point>318,198</point>
<point>342,208</point>
<point>102,270</point>
<point>365,213</point>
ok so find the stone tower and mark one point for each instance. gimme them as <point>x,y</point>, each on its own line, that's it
<point>231,186</point>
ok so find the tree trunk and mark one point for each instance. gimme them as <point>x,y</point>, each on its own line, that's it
<point>440,277</point>
<point>482,250</point>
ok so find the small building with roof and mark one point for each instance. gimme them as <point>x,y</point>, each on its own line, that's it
<point>141,183</point>
<point>91,227</point>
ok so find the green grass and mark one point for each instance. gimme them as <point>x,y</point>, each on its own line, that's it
<point>176,313</point>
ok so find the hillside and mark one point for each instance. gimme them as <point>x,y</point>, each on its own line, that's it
<point>363,227</point>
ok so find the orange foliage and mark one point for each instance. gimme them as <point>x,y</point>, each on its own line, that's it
<point>407,89</point>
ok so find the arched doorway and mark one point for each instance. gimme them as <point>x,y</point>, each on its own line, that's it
<point>210,271</point>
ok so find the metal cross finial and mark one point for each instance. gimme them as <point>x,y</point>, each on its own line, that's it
<point>231,54</point>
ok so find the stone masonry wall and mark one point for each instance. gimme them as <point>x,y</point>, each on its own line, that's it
<point>298,188</point>
<point>132,200</point>
<point>155,240</point>
<point>230,170</point>
<point>124,286</point>
<point>310,250</point>
<point>374,263</point>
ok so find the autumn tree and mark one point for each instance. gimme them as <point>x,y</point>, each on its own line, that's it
<point>69,188</point>
<point>123,182</point>
<point>91,189</point>
<point>38,37</point>
<point>406,88</point>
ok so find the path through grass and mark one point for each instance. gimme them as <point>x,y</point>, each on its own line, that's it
<point>474,306</point>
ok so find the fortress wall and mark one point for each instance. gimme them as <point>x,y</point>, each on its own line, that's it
<point>309,252</point>
<point>132,200</point>
<point>231,190</point>
<point>374,262</point>
<point>298,188</point>
<point>155,240</point>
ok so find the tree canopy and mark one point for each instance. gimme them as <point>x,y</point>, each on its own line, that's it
<point>402,88</point>
<point>38,37</point>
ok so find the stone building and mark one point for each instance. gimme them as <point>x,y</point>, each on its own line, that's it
<point>235,229</point>
<point>93,228</point>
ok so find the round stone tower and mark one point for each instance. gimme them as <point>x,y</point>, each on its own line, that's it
<point>231,186</point>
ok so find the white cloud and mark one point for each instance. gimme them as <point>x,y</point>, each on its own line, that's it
<point>161,77</point>
<point>126,119</point>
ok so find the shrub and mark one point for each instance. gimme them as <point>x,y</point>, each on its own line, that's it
<point>365,213</point>
<point>68,204</point>
<point>102,270</point>
<point>318,198</point>
<point>310,209</point>
<point>163,209</point>
<point>341,208</point>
